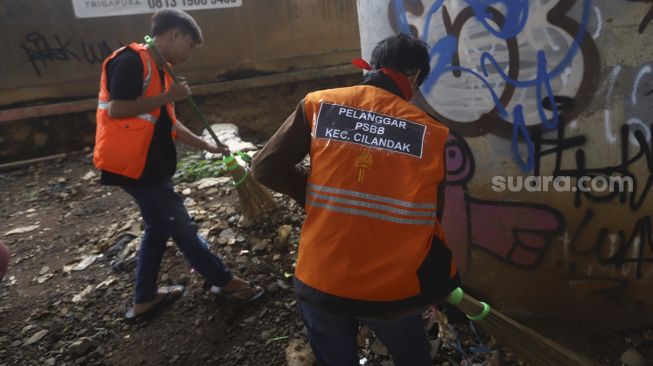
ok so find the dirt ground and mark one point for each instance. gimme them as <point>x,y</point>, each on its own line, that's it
<point>71,276</point>
<point>54,314</point>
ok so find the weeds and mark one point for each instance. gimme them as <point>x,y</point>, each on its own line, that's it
<point>194,166</point>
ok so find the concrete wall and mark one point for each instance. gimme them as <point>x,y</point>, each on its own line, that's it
<point>48,57</point>
<point>47,53</point>
<point>257,110</point>
<point>569,255</point>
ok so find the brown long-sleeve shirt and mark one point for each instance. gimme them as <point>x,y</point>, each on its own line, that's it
<point>276,165</point>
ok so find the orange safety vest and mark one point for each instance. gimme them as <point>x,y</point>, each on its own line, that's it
<point>376,165</point>
<point>121,144</point>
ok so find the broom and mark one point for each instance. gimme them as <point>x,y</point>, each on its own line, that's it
<point>255,200</point>
<point>527,344</point>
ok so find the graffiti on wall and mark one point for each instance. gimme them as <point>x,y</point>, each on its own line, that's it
<point>605,257</point>
<point>518,234</point>
<point>45,50</point>
<point>496,64</point>
<point>647,18</point>
<point>629,253</point>
<point>635,150</point>
<point>527,72</point>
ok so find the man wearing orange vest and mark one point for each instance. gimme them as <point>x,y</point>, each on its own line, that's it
<point>371,249</point>
<point>135,149</point>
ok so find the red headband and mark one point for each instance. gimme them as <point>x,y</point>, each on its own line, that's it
<point>400,79</point>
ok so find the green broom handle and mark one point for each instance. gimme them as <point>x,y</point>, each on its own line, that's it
<point>456,296</point>
<point>149,41</point>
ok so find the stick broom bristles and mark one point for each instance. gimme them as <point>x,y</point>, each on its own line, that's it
<point>255,200</point>
<point>530,346</point>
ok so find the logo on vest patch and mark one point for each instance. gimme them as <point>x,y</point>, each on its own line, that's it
<point>362,162</point>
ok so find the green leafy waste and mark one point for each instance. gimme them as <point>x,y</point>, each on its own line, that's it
<point>194,167</point>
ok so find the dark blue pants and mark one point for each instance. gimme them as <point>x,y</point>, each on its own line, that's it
<point>165,216</point>
<point>333,337</point>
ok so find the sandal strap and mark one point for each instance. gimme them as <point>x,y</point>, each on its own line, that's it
<point>171,289</point>
<point>244,287</point>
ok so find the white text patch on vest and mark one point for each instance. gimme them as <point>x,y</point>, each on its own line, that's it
<point>347,124</point>
<point>371,116</point>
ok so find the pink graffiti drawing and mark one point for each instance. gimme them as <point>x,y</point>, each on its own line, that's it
<point>517,233</point>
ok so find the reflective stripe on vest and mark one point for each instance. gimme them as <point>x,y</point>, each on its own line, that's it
<point>334,203</point>
<point>145,116</point>
<point>148,77</point>
<point>372,197</point>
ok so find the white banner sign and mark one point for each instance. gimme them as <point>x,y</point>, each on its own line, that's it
<point>108,8</point>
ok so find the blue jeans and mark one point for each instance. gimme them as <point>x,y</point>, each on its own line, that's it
<point>165,216</point>
<point>333,337</point>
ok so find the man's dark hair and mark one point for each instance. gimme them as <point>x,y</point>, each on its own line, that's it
<point>403,53</point>
<point>167,19</point>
